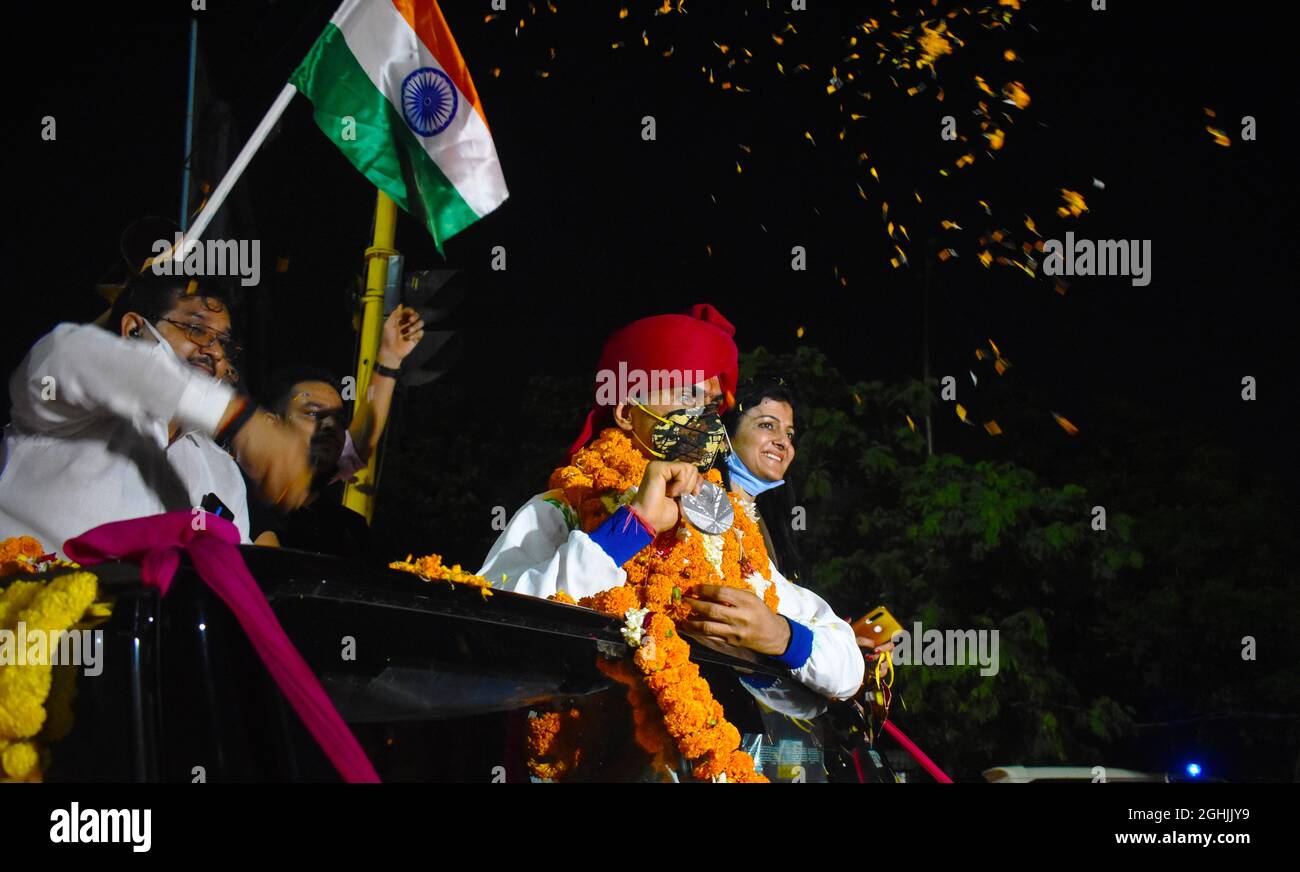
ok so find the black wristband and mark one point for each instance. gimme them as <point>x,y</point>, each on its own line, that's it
<point>389,371</point>
<point>227,434</point>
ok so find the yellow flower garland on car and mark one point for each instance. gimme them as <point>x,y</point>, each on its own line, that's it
<point>603,476</point>
<point>35,703</point>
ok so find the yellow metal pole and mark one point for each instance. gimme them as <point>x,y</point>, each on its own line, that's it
<point>360,497</point>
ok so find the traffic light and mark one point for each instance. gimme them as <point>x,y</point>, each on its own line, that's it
<point>434,294</point>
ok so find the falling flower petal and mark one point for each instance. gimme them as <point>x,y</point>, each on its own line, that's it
<point>1016,94</point>
<point>1065,425</point>
<point>1074,203</point>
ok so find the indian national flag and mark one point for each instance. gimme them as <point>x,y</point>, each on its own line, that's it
<point>391,90</point>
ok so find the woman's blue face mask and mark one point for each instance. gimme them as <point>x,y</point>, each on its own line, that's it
<point>749,483</point>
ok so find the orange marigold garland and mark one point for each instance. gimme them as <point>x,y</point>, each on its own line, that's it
<point>604,476</point>
<point>25,554</point>
<point>553,747</point>
<point>647,721</point>
<point>431,568</point>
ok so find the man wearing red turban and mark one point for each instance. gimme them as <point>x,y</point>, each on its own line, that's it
<point>682,350</point>
<point>663,382</point>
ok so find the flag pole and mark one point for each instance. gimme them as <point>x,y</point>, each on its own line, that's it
<point>237,168</point>
<point>189,125</point>
<point>360,497</point>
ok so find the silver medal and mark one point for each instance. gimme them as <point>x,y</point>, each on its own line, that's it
<point>709,511</point>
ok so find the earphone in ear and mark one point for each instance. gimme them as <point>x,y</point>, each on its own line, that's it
<point>135,331</point>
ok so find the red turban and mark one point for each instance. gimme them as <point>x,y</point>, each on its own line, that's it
<point>699,340</point>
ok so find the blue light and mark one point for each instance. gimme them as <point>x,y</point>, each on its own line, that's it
<point>1194,769</point>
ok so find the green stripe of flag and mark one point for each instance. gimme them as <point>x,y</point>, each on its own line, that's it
<point>385,150</point>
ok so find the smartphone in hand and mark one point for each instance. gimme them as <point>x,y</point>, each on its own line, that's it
<point>878,626</point>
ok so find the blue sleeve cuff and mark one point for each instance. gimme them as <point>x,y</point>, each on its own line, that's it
<point>800,647</point>
<point>621,536</point>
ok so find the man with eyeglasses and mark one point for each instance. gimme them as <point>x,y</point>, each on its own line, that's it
<point>139,417</point>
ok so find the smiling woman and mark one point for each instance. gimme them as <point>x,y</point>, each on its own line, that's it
<point>761,427</point>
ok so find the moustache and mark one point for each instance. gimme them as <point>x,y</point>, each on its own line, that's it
<point>205,361</point>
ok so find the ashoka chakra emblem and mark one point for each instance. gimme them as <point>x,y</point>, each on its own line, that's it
<point>429,101</point>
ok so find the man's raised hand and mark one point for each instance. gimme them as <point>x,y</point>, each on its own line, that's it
<point>403,330</point>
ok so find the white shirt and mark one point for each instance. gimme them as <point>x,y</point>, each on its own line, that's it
<point>87,439</point>
<point>539,553</point>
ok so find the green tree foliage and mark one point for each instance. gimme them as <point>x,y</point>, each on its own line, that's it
<point>1098,630</point>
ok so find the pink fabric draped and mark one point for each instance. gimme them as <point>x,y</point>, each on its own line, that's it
<point>156,543</point>
<point>917,754</point>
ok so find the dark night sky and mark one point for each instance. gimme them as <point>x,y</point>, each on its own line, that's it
<point>602,227</point>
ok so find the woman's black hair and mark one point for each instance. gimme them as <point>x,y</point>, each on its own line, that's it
<point>776,506</point>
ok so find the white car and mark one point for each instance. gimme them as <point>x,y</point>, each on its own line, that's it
<point>1098,774</point>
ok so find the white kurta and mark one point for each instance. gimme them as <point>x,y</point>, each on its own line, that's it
<point>87,439</point>
<point>540,554</point>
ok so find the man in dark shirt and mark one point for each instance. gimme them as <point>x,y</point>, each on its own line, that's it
<point>310,401</point>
